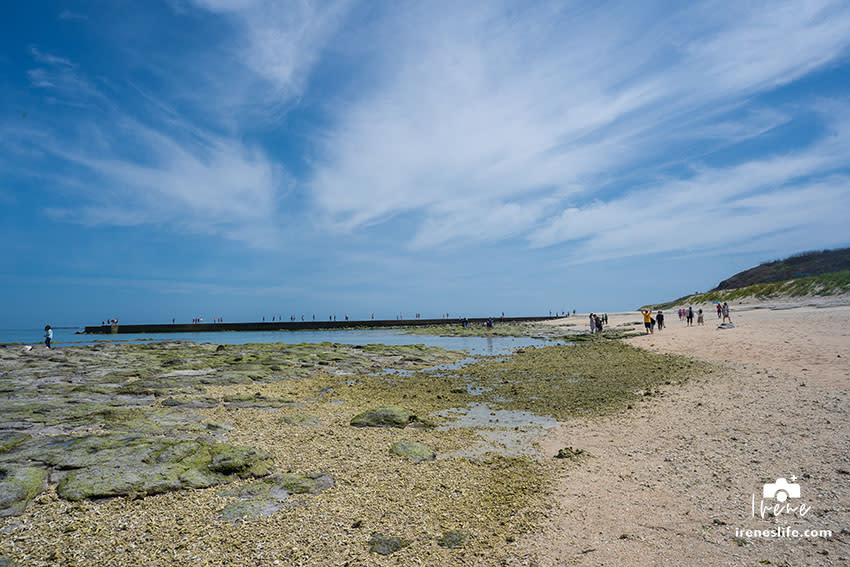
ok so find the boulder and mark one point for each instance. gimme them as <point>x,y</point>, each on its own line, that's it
<point>385,545</point>
<point>412,450</point>
<point>390,416</point>
<point>452,540</point>
<point>19,485</point>
<point>265,497</point>
<point>112,465</point>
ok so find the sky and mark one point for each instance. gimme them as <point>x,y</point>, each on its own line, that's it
<point>253,158</point>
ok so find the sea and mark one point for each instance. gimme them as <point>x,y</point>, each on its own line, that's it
<point>68,337</point>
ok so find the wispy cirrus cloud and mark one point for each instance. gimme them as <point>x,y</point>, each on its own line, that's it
<point>501,121</point>
<point>790,201</point>
<point>212,185</point>
<point>148,166</point>
<point>280,41</point>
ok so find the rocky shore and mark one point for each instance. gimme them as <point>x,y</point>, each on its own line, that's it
<point>319,454</point>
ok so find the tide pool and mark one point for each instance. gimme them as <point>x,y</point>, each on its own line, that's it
<point>474,345</point>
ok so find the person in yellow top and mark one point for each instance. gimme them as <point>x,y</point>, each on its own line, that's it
<point>647,320</point>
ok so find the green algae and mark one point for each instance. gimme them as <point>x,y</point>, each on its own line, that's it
<point>386,545</point>
<point>300,419</point>
<point>265,497</point>
<point>498,330</point>
<point>493,498</point>
<point>452,540</point>
<point>18,486</point>
<point>416,452</point>
<point>389,416</point>
<point>103,466</point>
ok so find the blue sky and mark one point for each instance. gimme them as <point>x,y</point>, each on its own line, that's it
<point>243,158</point>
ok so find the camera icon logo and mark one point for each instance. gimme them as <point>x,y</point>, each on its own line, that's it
<point>782,490</point>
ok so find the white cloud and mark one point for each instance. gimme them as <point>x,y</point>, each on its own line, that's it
<point>62,79</point>
<point>281,41</point>
<point>488,125</point>
<point>210,185</point>
<point>797,197</point>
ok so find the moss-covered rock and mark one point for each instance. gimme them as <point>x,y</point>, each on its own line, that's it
<point>189,402</point>
<point>452,540</point>
<point>239,460</point>
<point>569,453</point>
<point>412,450</point>
<point>389,416</point>
<point>265,497</point>
<point>385,545</point>
<point>256,401</point>
<point>300,419</point>
<point>247,509</point>
<point>19,485</point>
<point>10,440</point>
<point>111,466</point>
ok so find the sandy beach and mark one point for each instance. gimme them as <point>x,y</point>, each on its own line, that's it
<point>672,482</point>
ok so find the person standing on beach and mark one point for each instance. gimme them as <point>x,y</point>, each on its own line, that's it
<point>719,309</point>
<point>647,320</point>
<point>726,315</point>
<point>48,335</point>
<point>592,323</point>
<point>659,319</point>
<point>690,316</point>
<point>700,320</point>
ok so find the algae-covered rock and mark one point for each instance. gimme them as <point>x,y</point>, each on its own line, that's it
<point>188,402</point>
<point>390,416</point>
<point>255,401</point>
<point>569,453</point>
<point>110,465</point>
<point>385,545</point>
<point>265,497</point>
<point>300,419</point>
<point>452,540</point>
<point>412,450</point>
<point>19,485</point>
<point>99,482</point>
<point>301,484</point>
<point>10,440</point>
<point>245,509</point>
<point>241,461</point>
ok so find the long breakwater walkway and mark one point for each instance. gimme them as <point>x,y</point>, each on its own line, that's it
<point>296,325</point>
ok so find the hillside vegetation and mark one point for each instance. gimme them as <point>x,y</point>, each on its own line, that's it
<point>836,283</point>
<point>795,267</point>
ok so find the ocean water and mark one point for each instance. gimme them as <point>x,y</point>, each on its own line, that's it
<point>474,345</point>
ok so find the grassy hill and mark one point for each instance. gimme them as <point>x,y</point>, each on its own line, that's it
<point>794,267</point>
<point>836,283</point>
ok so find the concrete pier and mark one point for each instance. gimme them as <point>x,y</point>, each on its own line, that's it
<point>295,325</point>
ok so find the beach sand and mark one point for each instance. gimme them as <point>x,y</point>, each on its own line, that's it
<point>672,482</point>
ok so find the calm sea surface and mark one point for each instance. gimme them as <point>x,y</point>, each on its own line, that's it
<point>475,345</point>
